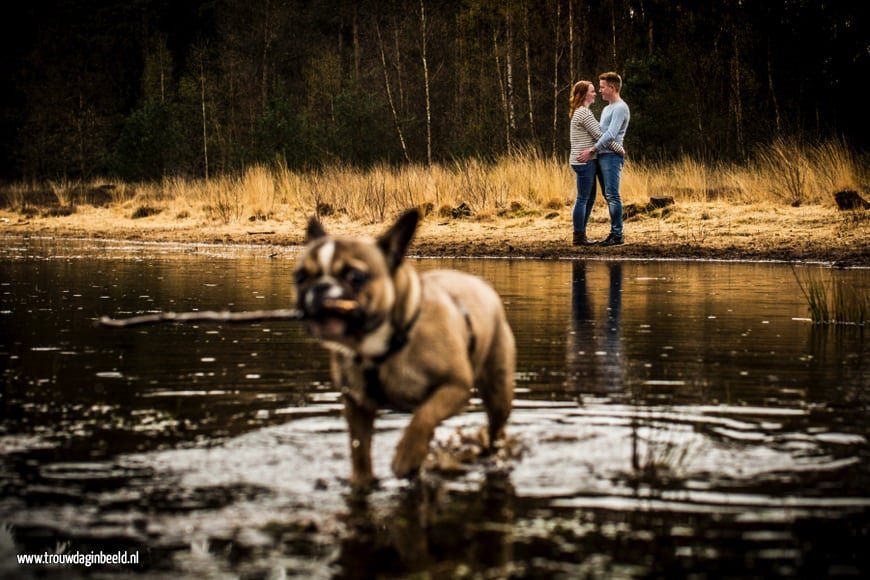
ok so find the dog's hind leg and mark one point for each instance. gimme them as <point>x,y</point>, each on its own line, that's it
<point>496,385</point>
<point>445,402</point>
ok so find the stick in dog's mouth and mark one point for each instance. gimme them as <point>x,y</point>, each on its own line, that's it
<point>341,305</point>
<point>334,319</point>
<point>247,316</point>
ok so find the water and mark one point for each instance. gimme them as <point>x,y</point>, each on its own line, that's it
<point>672,419</point>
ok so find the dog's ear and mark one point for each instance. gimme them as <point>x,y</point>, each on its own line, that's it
<point>314,231</point>
<point>394,242</point>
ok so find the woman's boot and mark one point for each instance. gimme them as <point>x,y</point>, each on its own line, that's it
<point>580,239</point>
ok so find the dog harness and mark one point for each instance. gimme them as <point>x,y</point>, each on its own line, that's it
<point>373,387</point>
<point>398,340</point>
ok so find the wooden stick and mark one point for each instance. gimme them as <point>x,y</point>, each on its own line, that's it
<point>341,305</point>
<point>204,316</point>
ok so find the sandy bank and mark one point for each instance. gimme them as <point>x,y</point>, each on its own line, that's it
<point>687,231</point>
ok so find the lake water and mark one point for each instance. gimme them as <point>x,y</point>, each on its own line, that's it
<point>672,419</point>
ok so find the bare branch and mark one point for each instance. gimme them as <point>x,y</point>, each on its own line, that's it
<point>204,316</point>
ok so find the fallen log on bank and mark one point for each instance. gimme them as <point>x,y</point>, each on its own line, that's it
<point>850,199</point>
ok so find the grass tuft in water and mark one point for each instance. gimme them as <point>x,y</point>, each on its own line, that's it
<point>832,302</point>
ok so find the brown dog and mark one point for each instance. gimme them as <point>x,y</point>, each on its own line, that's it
<point>413,342</point>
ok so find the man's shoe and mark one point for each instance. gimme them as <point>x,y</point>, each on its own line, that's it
<point>612,240</point>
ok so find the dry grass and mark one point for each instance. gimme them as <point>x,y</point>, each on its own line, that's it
<point>799,174</point>
<point>16,196</point>
<point>786,173</point>
<point>777,206</point>
<point>64,191</point>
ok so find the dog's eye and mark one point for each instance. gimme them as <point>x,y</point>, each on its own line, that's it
<point>300,276</point>
<point>356,278</point>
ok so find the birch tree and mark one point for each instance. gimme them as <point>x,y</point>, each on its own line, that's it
<point>390,100</point>
<point>426,82</point>
<point>529,88</point>
<point>557,41</point>
<point>509,79</point>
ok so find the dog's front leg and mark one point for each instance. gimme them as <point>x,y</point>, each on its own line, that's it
<point>445,402</point>
<point>360,423</point>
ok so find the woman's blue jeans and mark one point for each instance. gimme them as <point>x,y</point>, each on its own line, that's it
<point>585,193</point>
<point>611,169</point>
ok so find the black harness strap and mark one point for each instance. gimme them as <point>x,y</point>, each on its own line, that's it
<point>398,340</point>
<point>373,387</point>
<point>371,375</point>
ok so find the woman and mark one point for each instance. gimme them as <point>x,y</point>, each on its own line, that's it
<point>585,131</point>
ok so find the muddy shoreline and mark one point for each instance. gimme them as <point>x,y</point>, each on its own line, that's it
<point>690,232</point>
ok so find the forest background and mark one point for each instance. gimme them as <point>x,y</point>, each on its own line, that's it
<point>145,89</point>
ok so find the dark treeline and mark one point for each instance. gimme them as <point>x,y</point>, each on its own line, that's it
<point>140,89</point>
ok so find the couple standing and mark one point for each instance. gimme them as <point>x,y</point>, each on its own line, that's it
<point>597,147</point>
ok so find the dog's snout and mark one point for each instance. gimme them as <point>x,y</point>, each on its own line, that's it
<point>320,292</point>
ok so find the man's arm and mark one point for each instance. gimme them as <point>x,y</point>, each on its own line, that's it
<point>590,123</point>
<point>612,127</point>
<point>594,129</point>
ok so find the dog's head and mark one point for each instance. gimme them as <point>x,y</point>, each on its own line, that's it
<point>346,287</point>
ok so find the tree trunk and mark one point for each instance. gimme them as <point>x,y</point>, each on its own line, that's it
<point>400,84</point>
<point>556,48</point>
<point>161,54</point>
<point>776,117</point>
<point>202,102</point>
<point>572,63</point>
<point>356,47</point>
<point>267,45</point>
<point>509,77</point>
<point>529,90</point>
<point>502,90</point>
<point>650,38</point>
<point>80,130</point>
<point>613,29</point>
<point>426,83</point>
<point>390,93</point>
<point>736,103</point>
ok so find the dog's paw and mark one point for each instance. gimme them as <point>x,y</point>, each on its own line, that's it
<point>409,457</point>
<point>362,487</point>
<point>363,482</point>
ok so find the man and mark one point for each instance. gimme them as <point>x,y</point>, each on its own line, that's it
<point>614,123</point>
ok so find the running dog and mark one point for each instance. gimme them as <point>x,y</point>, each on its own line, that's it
<point>416,342</point>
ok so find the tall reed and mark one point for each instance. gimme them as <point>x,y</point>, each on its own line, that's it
<point>832,302</point>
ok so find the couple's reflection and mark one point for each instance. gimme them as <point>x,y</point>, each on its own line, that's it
<point>594,352</point>
<point>429,530</point>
